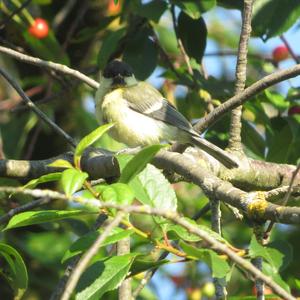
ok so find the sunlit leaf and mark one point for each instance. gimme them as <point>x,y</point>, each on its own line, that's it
<point>44,178</point>
<point>104,275</point>
<point>72,180</point>
<point>139,162</point>
<point>37,217</point>
<point>86,241</point>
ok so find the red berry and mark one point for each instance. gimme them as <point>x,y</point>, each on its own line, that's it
<point>280,53</point>
<point>114,9</point>
<point>39,28</point>
<point>294,110</point>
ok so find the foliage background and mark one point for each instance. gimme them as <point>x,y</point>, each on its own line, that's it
<point>85,38</point>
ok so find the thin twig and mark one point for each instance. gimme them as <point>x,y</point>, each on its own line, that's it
<point>247,94</point>
<point>235,143</point>
<point>172,216</point>
<point>179,42</point>
<point>50,65</point>
<point>219,283</point>
<point>25,207</point>
<point>60,287</point>
<point>291,51</point>
<point>91,252</point>
<point>13,13</point>
<point>123,247</point>
<point>34,108</point>
<point>284,201</point>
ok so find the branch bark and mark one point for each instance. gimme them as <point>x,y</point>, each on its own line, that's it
<point>235,142</point>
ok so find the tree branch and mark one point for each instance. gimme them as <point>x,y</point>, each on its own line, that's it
<point>172,216</point>
<point>246,94</point>
<point>235,143</point>
<point>36,110</point>
<point>92,251</point>
<point>50,65</point>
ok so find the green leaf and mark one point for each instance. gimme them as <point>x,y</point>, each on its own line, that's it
<point>89,140</point>
<point>278,100</point>
<point>257,250</point>
<point>109,45</point>
<point>263,22</point>
<point>44,178</point>
<point>61,163</point>
<point>194,9</point>
<point>72,180</point>
<point>47,48</point>
<point>194,41</point>
<point>88,239</point>
<point>139,162</point>
<point>269,271</point>
<point>139,47</point>
<point>104,275</point>
<point>152,10</point>
<point>182,233</point>
<point>153,189</point>
<point>281,252</point>
<point>283,135</point>
<point>253,140</point>
<point>219,266</point>
<point>116,2</point>
<point>42,216</point>
<point>278,253</point>
<point>15,271</point>
<point>167,39</point>
<point>233,4</point>
<point>119,193</point>
<point>145,264</point>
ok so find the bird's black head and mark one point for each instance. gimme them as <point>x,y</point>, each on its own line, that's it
<point>117,71</point>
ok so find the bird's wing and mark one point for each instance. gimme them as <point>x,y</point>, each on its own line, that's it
<point>147,100</point>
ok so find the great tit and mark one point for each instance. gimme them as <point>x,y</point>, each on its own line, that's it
<point>142,116</point>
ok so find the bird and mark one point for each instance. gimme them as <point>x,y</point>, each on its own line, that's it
<point>142,116</point>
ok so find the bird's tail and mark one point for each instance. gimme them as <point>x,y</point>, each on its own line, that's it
<point>219,154</point>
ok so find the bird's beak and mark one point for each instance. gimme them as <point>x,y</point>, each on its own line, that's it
<point>118,80</point>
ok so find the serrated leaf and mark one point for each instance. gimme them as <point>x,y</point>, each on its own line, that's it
<point>219,266</point>
<point>104,275</point>
<point>109,45</point>
<point>194,41</point>
<point>72,180</point>
<point>89,140</point>
<point>16,272</point>
<point>257,250</point>
<point>44,178</point>
<point>153,189</point>
<point>61,163</point>
<point>37,217</point>
<point>139,162</point>
<point>84,242</point>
